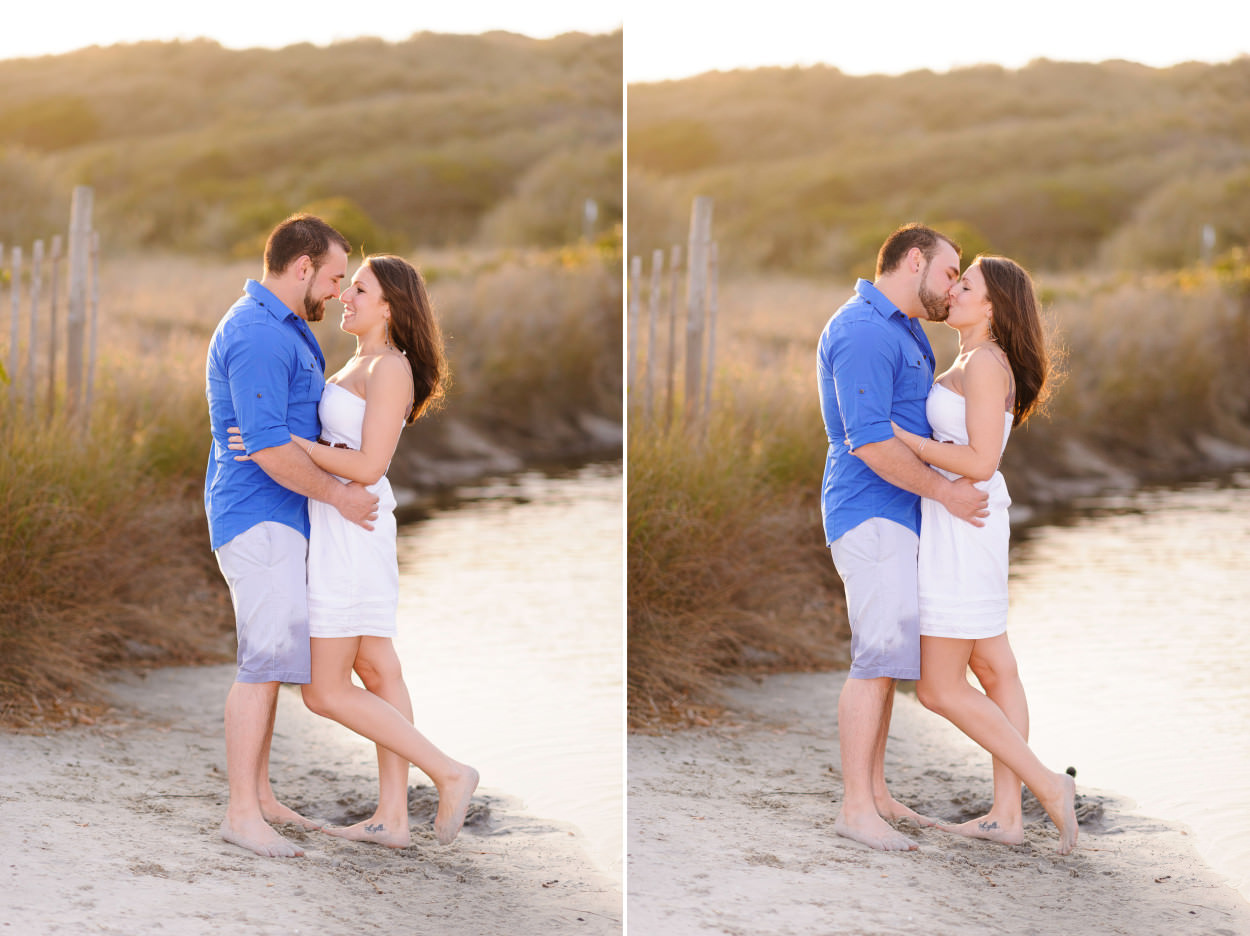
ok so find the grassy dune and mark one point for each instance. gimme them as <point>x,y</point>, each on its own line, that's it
<point>728,569</point>
<point>1061,165</point>
<point>104,555</point>
<point>494,139</point>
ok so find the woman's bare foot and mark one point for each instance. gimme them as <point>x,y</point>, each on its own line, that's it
<point>375,830</point>
<point>872,831</point>
<point>1062,812</point>
<point>891,809</point>
<point>256,836</point>
<point>1003,830</point>
<point>277,814</point>
<point>453,803</point>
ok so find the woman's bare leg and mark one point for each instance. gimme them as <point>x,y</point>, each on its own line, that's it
<point>333,694</point>
<point>379,669</point>
<point>994,665</point>
<point>944,688</point>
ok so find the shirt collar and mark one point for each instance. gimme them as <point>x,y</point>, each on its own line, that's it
<point>876,298</point>
<point>271,303</point>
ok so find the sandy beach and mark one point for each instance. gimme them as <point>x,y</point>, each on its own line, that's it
<point>730,831</point>
<point>112,828</point>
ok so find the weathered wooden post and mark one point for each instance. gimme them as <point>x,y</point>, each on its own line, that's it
<point>635,281</point>
<point>36,277</point>
<point>15,296</point>
<point>95,315</point>
<point>653,312</point>
<point>696,296</point>
<point>75,320</point>
<point>590,215</point>
<point>674,270</point>
<point>712,269</point>
<point>55,277</point>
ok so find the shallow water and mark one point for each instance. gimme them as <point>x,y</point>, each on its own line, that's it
<point>1129,620</point>
<point>511,636</point>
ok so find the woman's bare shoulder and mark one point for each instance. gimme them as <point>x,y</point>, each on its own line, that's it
<point>392,365</point>
<point>989,358</point>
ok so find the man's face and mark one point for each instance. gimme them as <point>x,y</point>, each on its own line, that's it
<point>936,279</point>
<point>326,283</point>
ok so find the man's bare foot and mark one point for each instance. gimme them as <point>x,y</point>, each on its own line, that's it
<point>375,830</point>
<point>453,803</point>
<point>891,809</point>
<point>256,836</point>
<point>872,831</point>
<point>1062,811</point>
<point>1004,830</point>
<point>277,814</point>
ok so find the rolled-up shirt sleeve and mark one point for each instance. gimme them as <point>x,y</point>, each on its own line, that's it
<point>863,371</point>
<point>260,373</point>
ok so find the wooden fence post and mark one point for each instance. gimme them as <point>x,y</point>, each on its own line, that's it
<point>15,295</point>
<point>79,249</point>
<point>95,316</point>
<point>696,292</point>
<point>635,281</point>
<point>674,269</point>
<point>653,312</point>
<point>36,277</point>
<point>590,215</point>
<point>713,270</point>
<point>52,349</point>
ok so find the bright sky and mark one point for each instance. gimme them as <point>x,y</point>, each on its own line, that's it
<point>42,27</point>
<point>666,39</point>
<point>674,39</point>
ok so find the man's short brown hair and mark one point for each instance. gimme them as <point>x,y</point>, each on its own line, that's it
<point>898,244</point>
<point>301,235</point>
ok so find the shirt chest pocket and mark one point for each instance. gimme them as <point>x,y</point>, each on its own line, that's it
<point>914,378</point>
<point>308,380</point>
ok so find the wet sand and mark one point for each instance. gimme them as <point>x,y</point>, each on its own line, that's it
<point>731,831</point>
<point>112,828</point>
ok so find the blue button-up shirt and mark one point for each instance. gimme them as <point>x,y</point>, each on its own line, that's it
<point>265,374</point>
<point>874,364</point>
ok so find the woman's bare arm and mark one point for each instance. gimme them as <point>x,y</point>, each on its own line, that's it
<point>388,396</point>
<point>986,384</point>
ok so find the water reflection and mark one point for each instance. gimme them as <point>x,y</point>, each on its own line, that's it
<point>511,635</point>
<point>1129,621</point>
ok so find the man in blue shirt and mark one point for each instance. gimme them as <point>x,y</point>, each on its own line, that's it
<point>265,374</point>
<point>875,365</point>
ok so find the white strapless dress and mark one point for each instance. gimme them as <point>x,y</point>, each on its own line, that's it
<point>353,574</point>
<point>962,574</point>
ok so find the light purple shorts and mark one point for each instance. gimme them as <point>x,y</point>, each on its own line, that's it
<point>266,569</point>
<point>877,562</point>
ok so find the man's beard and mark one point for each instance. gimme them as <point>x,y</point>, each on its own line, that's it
<point>936,305</point>
<point>313,311</point>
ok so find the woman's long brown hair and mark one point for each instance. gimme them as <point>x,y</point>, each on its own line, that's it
<point>413,330</point>
<point>1017,327</point>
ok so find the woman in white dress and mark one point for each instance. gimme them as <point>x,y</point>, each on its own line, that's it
<point>998,379</point>
<point>396,375</point>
